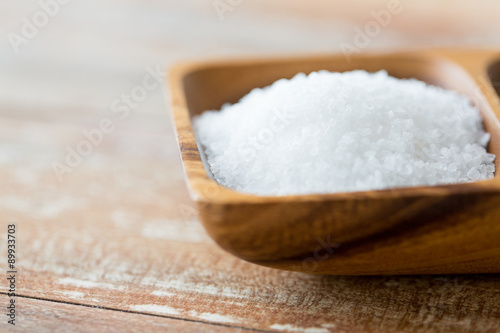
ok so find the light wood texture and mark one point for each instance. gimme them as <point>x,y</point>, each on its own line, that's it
<point>120,232</point>
<point>48,316</point>
<point>423,230</point>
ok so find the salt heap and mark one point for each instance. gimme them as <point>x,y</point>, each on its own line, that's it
<point>337,132</point>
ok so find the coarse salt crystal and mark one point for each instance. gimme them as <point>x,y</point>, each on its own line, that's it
<point>336,132</point>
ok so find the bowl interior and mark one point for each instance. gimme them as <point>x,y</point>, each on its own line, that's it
<point>494,75</point>
<point>211,86</point>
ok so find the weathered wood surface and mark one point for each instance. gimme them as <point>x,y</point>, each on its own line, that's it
<point>118,232</point>
<point>48,316</point>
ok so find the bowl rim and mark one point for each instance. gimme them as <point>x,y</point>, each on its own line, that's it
<point>204,189</point>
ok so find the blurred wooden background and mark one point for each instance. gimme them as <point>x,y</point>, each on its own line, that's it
<point>115,245</point>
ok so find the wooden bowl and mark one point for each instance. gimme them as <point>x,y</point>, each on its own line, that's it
<point>450,229</point>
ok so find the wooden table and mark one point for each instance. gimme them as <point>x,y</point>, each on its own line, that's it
<point>113,244</point>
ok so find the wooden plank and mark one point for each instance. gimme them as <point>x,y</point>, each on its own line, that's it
<point>136,259</point>
<point>41,316</point>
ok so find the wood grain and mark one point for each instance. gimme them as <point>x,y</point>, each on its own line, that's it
<point>64,317</point>
<point>120,233</point>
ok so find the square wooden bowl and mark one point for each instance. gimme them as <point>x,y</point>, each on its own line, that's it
<point>418,230</point>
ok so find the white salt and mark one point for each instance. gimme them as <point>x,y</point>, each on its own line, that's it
<point>337,132</point>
